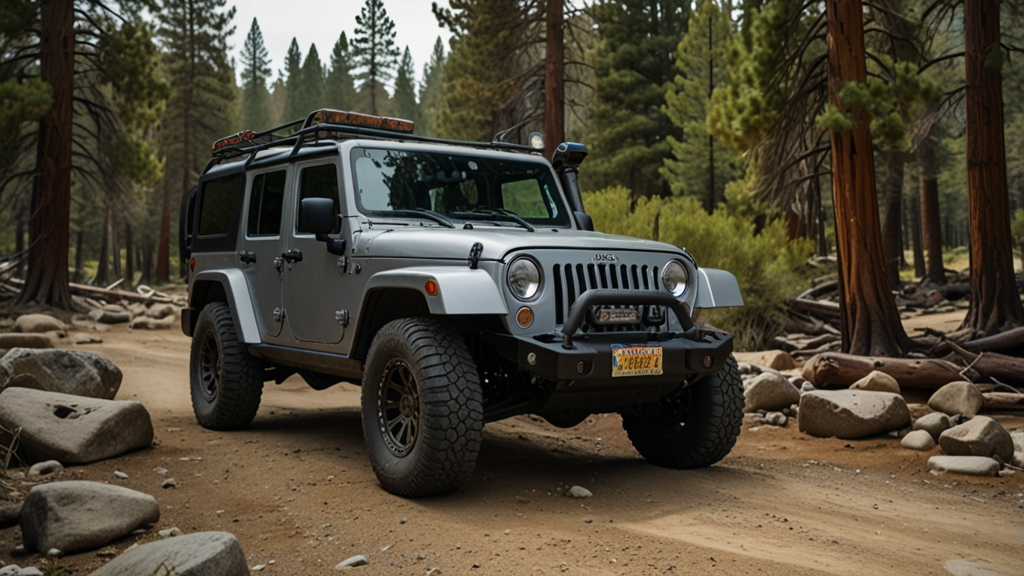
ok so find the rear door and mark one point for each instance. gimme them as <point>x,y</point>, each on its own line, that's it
<point>260,249</point>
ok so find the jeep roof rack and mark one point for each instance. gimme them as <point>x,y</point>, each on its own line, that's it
<point>333,125</point>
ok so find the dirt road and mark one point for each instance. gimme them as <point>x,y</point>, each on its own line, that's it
<point>297,490</point>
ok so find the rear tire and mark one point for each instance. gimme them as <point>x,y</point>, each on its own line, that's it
<point>226,381</point>
<point>697,428</point>
<point>422,408</point>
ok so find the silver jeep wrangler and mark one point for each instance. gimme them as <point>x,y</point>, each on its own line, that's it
<point>458,283</point>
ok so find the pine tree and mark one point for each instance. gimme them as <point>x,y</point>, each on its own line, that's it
<point>310,92</point>
<point>202,106</point>
<point>432,90</point>
<point>635,67</point>
<point>405,105</point>
<point>374,51</point>
<point>702,165</point>
<point>255,72</point>
<point>339,89</point>
<point>293,107</point>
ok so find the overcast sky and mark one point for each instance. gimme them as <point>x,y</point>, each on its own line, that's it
<point>321,22</point>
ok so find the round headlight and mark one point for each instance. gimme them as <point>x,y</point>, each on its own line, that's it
<point>674,278</point>
<point>524,278</point>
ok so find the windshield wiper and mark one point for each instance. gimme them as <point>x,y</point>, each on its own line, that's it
<point>423,213</point>
<point>497,214</point>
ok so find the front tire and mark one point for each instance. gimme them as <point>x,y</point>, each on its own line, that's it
<point>696,429</point>
<point>422,408</point>
<point>226,381</point>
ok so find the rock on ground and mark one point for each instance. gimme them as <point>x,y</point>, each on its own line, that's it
<point>110,314</point>
<point>878,382</point>
<point>8,341</point>
<point>35,323</point>
<point>15,570</point>
<point>358,560</point>
<point>769,391</point>
<point>979,436</point>
<point>1018,449</point>
<point>579,492</point>
<point>918,440</point>
<point>9,515</point>
<point>935,424</point>
<point>971,465</point>
<point>957,398</point>
<point>161,311</point>
<point>77,515</point>
<point>66,371</point>
<point>851,414</point>
<point>73,429</point>
<point>198,554</point>
<point>776,418</point>
<point>45,468</point>
<point>774,359</point>
<point>148,323</point>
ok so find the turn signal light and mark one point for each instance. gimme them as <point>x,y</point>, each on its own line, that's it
<point>431,288</point>
<point>524,317</point>
<point>192,264</point>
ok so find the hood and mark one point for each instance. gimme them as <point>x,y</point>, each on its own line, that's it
<point>455,244</point>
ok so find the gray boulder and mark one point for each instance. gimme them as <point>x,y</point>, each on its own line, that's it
<point>110,314</point>
<point>918,440</point>
<point>979,436</point>
<point>769,391</point>
<point>66,371</point>
<point>1018,449</point>
<point>35,323</point>
<point>935,424</point>
<point>45,468</point>
<point>73,429</point>
<point>76,516</point>
<point>970,465</point>
<point>957,398</point>
<point>9,515</point>
<point>851,414</point>
<point>161,311</point>
<point>198,554</point>
<point>14,340</point>
<point>878,382</point>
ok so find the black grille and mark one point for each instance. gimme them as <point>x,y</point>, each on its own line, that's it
<point>572,280</point>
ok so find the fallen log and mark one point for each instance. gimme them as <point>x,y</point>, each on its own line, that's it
<point>820,309</point>
<point>108,296</point>
<point>1009,340</point>
<point>1003,401</point>
<point>998,367</point>
<point>841,370</point>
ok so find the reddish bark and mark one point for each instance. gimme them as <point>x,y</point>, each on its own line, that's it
<point>931,222</point>
<point>870,321</point>
<point>50,219</point>
<point>995,305</point>
<point>163,253</point>
<point>554,78</point>
<point>892,240</point>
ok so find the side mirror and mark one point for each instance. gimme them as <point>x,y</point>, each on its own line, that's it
<point>316,215</point>
<point>584,221</point>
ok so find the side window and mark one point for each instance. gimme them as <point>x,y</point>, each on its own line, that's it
<point>218,204</point>
<point>321,182</point>
<point>265,199</point>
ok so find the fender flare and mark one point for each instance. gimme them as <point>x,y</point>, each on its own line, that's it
<point>460,290</point>
<point>236,290</point>
<point>717,289</point>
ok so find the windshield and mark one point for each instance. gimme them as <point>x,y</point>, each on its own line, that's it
<point>498,191</point>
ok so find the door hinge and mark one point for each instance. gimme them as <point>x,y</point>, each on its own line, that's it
<point>278,314</point>
<point>342,317</point>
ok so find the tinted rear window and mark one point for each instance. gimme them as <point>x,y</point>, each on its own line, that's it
<point>218,204</point>
<point>265,200</point>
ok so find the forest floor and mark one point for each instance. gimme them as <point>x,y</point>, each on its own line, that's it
<point>297,490</point>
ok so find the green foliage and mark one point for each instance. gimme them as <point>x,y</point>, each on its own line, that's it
<point>634,69</point>
<point>22,101</point>
<point>255,73</point>
<point>432,90</point>
<point>700,67</point>
<point>310,91</point>
<point>339,89</point>
<point>374,51</point>
<point>293,107</point>
<point>405,105</point>
<point>769,270</point>
<point>1017,230</point>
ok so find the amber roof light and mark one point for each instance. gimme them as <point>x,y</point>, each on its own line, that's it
<point>356,119</point>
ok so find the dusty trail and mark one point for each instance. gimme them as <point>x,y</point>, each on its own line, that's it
<point>296,488</point>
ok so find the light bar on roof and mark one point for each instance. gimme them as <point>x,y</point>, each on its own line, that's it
<point>243,136</point>
<point>356,119</point>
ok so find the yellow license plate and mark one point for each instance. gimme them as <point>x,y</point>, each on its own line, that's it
<point>636,360</point>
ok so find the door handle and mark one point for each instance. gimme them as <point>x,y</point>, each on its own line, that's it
<point>247,257</point>
<point>292,255</point>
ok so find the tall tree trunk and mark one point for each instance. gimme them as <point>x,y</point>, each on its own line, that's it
<point>869,319</point>
<point>163,250</point>
<point>49,223</point>
<point>129,257</point>
<point>102,269</point>
<point>915,230</point>
<point>892,240</point>
<point>931,221</point>
<point>147,262</point>
<point>554,78</point>
<point>995,305</point>
<point>115,245</point>
<point>79,257</point>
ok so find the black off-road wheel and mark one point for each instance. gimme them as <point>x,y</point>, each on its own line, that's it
<point>226,381</point>
<point>422,408</point>
<point>694,429</point>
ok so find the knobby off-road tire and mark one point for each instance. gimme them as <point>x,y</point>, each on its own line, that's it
<point>226,381</point>
<point>697,429</point>
<point>422,408</point>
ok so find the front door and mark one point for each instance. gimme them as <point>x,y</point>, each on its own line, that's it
<point>260,248</point>
<point>313,278</point>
